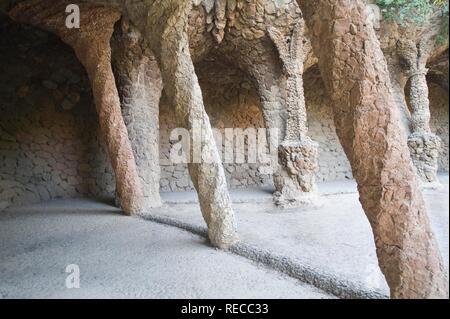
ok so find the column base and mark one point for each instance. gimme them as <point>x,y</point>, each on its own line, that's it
<point>296,181</point>
<point>152,202</point>
<point>295,199</point>
<point>424,149</point>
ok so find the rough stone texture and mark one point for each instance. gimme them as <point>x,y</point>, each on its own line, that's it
<point>91,44</point>
<point>230,105</point>
<point>256,37</point>
<point>166,30</point>
<point>367,123</point>
<point>357,79</point>
<point>299,159</point>
<point>439,107</point>
<point>33,57</point>
<point>298,154</point>
<point>140,86</point>
<point>409,47</point>
<point>333,163</point>
<point>49,132</point>
<point>425,149</point>
<point>423,144</point>
<point>231,102</point>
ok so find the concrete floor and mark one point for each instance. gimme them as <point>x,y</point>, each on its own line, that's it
<point>123,257</point>
<point>333,242</point>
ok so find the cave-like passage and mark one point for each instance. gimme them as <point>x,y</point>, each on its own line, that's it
<point>169,42</point>
<point>356,76</point>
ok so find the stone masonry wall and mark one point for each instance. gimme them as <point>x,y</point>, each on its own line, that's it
<point>439,122</point>
<point>49,143</point>
<point>232,102</point>
<point>333,164</point>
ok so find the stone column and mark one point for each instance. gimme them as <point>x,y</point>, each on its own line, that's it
<point>270,52</point>
<point>140,86</point>
<point>398,83</point>
<point>298,153</point>
<point>296,162</point>
<point>423,144</point>
<point>167,33</point>
<point>91,45</point>
<point>355,74</point>
<point>271,88</point>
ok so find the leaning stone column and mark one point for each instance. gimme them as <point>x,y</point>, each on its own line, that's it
<point>423,144</point>
<point>298,153</point>
<point>167,33</point>
<point>398,83</point>
<point>140,86</point>
<point>368,124</point>
<point>91,45</point>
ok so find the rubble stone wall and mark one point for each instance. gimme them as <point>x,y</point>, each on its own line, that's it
<point>439,122</point>
<point>232,102</point>
<point>49,136</point>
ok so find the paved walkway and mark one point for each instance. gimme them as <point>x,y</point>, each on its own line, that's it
<point>262,194</point>
<point>330,247</point>
<point>123,257</point>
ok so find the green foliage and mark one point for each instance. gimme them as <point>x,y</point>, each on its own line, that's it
<point>409,11</point>
<point>443,35</point>
<point>405,12</point>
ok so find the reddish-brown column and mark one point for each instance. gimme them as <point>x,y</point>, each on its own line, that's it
<point>368,124</point>
<point>91,45</point>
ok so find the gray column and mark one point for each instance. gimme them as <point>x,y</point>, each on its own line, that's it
<point>140,87</point>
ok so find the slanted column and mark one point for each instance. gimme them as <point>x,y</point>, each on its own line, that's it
<point>140,86</point>
<point>356,77</point>
<point>298,153</point>
<point>92,47</point>
<point>398,83</point>
<point>167,33</point>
